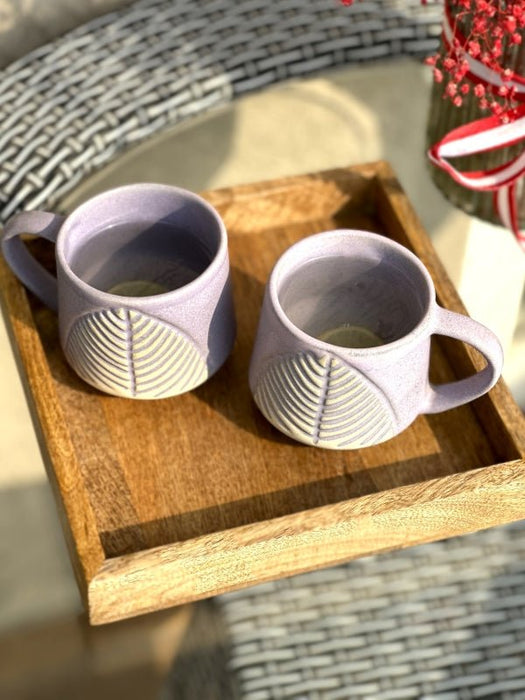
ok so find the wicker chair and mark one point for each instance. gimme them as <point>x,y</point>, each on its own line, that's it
<point>70,107</point>
<point>443,620</point>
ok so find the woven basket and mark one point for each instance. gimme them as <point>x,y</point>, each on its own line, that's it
<point>443,117</point>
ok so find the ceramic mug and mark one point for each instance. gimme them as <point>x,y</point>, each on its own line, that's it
<point>142,290</point>
<point>342,350</point>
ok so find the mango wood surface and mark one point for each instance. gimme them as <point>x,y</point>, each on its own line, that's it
<point>169,501</point>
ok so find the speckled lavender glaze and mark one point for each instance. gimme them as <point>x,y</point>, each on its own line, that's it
<point>327,395</point>
<point>135,346</point>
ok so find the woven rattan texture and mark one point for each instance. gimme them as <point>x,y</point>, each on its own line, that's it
<point>444,621</point>
<point>71,106</point>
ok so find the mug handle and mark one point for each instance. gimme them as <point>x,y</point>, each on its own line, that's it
<point>24,265</point>
<point>441,397</point>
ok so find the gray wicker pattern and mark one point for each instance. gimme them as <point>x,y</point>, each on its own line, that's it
<point>444,621</point>
<point>69,107</point>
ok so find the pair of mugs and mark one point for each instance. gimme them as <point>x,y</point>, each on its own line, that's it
<point>145,308</point>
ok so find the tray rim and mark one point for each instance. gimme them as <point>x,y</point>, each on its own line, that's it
<point>480,497</point>
<point>153,573</point>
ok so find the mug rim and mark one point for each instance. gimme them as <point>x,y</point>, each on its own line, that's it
<point>283,266</point>
<point>108,297</point>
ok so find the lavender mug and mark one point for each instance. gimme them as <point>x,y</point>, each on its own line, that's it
<point>342,350</point>
<point>142,291</point>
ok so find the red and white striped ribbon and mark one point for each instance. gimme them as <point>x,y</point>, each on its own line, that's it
<point>483,136</point>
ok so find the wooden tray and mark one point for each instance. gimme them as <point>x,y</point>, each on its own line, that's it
<point>169,501</point>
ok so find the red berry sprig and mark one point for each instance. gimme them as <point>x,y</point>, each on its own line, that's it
<point>494,28</point>
<point>491,30</point>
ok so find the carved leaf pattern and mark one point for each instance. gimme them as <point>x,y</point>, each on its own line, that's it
<point>128,353</point>
<point>321,400</point>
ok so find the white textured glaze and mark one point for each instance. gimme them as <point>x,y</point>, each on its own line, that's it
<point>128,353</point>
<point>320,400</point>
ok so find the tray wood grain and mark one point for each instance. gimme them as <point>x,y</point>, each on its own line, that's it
<point>165,502</point>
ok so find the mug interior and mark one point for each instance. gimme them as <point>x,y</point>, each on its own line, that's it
<point>141,240</point>
<point>362,292</point>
